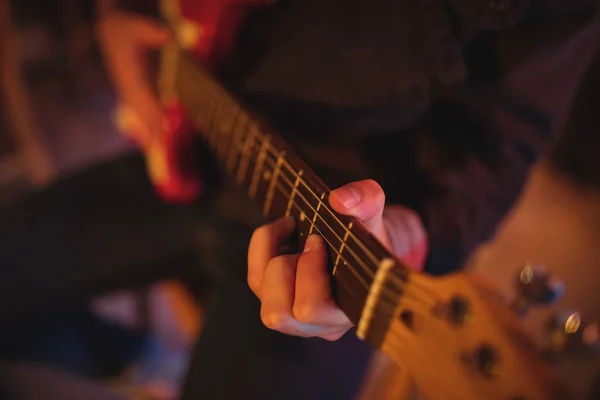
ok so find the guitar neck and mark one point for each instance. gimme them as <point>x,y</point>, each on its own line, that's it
<point>274,176</point>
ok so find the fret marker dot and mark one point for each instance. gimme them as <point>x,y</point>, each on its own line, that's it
<point>302,216</point>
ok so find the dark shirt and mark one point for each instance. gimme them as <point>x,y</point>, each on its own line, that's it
<point>450,102</point>
<point>578,147</point>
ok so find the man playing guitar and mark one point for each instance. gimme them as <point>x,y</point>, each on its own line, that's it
<point>461,119</point>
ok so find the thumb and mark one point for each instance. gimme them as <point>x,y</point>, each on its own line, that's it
<point>363,200</point>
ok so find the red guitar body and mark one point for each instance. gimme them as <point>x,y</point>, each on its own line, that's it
<point>216,23</point>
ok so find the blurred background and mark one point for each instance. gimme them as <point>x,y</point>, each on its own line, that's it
<point>56,99</point>
<point>56,109</point>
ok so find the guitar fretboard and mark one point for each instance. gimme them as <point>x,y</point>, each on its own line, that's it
<point>279,181</point>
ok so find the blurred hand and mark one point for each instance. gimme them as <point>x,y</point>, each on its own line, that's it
<point>126,41</point>
<point>294,290</point>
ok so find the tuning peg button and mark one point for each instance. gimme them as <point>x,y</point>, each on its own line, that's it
<point>535,286</point>
<point>571,335</point>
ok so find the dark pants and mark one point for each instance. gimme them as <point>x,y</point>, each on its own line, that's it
<point>237,357</point>
<point>103,229</point>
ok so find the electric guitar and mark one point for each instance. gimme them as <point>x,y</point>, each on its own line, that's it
<point>457,339</point>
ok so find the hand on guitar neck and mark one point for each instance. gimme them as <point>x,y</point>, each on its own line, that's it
<point>457,340</point>
<point>295,289</point>
<point>296,299</point>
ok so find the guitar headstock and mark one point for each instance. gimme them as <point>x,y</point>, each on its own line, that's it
<point>460,339</point>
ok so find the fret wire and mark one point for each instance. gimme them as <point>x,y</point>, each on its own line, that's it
<point>366,285</point>
<point>364,248</point>
<point>347,232</point>
<point>231,156</point>
<point>347,263</point>
<point>258,166</point>
<point>363,266</point>
<point>386,290</point>
<point>316,212</point>
<point>206,76</point>
<point>273,182</point>
<point>265,145</point>
<point>247,146</point>
<point>353,270</point>
<point>214,133</point>
<point>356,240</point>
<point>289,182</point>
<point>218,91</point>
<point>274,176</point>
<point>270,193</point>
<point>294,190</point>
<point>368,270</point>
<point>337,260</point>
<point>399,280</point>
<point>223,145</point>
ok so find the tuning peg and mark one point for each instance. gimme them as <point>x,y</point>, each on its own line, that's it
<point>571,335</point>
<point>536,287</point>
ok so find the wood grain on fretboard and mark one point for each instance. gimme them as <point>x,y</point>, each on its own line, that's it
<point>279,181</point>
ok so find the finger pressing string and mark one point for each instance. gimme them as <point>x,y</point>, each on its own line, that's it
<point>265,244</point>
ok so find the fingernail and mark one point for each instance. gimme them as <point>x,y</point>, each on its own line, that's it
<point>311,242</point>
<point>347,195</point>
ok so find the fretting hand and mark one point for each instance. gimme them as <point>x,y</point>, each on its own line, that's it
<point>294,290</point>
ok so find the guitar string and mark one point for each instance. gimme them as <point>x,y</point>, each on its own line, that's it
<point>269,149</point>
<point>363,266</point>
<point>240,146</point>
<point>287,166</point>
<point>254,154</point>
<point>224,95</point>
<point>389,307</point>
<point>400,282</point>
<point>394,288</point>
<point>389,290</point>
<point>294,173</point>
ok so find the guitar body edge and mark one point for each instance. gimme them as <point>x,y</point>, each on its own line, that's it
<point>208,30</point>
